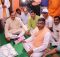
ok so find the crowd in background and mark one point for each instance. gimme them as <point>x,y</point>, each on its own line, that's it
<point>40,20</point>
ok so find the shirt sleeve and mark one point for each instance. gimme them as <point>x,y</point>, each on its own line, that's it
<point>45,43</point>
<point>29,39</point>
<point>23,26</point>
<point>6,29</point>
<point>50,22</point>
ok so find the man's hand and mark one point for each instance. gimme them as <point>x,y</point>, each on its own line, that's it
<point>8,39</point>
<point>23,41</point>
<point>46,52</point>
<point>27,33</point>
<point>30,52</point>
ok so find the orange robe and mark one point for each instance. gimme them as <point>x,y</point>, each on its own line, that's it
<point>15,4</point>
<point>54,7</point>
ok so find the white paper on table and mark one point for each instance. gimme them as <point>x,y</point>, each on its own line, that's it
<point>8,51</point>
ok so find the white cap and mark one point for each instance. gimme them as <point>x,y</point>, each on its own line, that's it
<point>45,10</point>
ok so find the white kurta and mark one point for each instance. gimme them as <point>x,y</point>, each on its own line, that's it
<point>13,27</point>
<point>56,30</point>
<point>49,21</point>
<point>25,17</point>
<point>56,34</point>
<point>37,52</point>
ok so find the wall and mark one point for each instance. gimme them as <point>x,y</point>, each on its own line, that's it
<point>15,4</point>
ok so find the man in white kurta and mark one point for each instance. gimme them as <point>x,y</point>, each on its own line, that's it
<point>25,16</point>
<point>48,19</point>
<point>13,27</point>
<point>38,42</point>
<point>56,30</point>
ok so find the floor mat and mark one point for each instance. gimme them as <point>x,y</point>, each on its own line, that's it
<point>19,47</point>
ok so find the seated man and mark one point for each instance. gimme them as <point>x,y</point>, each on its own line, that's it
<point>24,16</point>
<point>56,37</point>
<point>39,41</point>
<point>13,27</point>
<point>48,19</point>
<point>56,30</point>
<point>32,21</point>
<point>18,12</point>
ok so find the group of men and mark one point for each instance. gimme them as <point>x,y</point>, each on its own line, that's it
<point>43,30</point>
<point>54,15</point>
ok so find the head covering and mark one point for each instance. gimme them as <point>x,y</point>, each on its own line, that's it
<point>45,10</point>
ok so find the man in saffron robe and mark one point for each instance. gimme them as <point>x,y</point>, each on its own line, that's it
<point>39,41</point>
